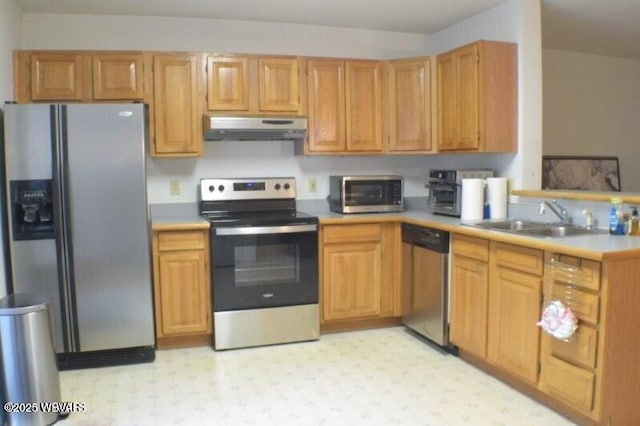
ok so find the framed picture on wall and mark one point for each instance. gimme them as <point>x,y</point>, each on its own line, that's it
<point>580,173</point>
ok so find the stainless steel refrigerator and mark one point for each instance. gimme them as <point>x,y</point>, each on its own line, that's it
<point>76,226</point>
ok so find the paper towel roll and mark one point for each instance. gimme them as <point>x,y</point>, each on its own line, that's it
<point>497,197</point>
<point>472,199</point>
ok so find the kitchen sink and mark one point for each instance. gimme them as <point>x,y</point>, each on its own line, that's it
<point>537,229</point>
<point>509,225</point>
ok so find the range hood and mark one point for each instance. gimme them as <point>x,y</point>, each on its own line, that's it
<point>218,128</point>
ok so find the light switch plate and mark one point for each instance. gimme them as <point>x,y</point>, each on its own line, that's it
<point>313,184</point>
<point>174,187</point>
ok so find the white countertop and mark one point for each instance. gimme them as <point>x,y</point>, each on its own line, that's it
<point>594,246</point>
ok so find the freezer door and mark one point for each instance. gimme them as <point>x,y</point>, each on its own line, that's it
<point>34,265</point>
<point>106,212</point>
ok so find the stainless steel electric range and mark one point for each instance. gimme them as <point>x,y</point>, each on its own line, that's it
<point>264,262</point>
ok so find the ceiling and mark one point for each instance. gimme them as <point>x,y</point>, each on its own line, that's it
<point>604,27</point>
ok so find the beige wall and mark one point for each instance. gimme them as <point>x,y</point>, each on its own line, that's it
<point>592,107</point>
<point>9,40</point>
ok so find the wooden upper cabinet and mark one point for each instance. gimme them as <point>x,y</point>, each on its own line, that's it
<point>228,83</point>
<point>409,105</point>
<point>477,98</point>
<point>177,110</point>
<point>326,122</point>
<point>364,106</point>
<point>345,106</point>
<point>56,76</point>
<point>279,84</point>
<point>81,76</point>
<point>118,76</point>
<point>254,85</point>
<point>468,97</point>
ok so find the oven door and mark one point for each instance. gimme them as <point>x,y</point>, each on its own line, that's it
<point>262,267</point>
<point>444,198</point>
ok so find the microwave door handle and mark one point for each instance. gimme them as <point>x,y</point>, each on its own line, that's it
<point>262,230</point>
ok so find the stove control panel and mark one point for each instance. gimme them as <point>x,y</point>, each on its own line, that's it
<point>225,189</point>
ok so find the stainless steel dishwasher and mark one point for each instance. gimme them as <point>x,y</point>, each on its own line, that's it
<point>425,254</point>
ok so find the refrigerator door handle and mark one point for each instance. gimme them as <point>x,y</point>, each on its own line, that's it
<point>63,230</point>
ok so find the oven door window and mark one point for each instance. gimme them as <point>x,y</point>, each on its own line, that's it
<point>443,195</point>
<point>258,271</point>
<point>266,265</point>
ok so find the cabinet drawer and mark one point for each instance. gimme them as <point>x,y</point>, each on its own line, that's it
<point>569,384</point>
<point>581,349</point>
<point>585,305</point>
<point>587,276</point>
<point>182,240</point>
<point>519,258</point>
<point>475,248</point>
<point>351,233</point>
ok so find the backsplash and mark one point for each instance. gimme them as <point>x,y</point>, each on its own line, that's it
<point>259,159</point>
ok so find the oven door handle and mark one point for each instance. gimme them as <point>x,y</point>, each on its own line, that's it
<point>255,230</point>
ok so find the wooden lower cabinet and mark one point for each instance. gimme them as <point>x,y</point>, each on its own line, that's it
<point>515,288</point>
<point>353,274</point>
<point>469,293</point>
<point>359,272</point>
<point>497,295</point>
<point>182,286</point>
<point>571,371</point>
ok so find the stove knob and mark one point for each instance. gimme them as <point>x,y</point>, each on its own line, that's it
<point>286,186</point>
<point>221,188</point>
<point>277,186</point>
<point>212,188</point>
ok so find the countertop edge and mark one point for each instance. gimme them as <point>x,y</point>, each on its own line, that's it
<point>626,197</point>
<point>574,246</point>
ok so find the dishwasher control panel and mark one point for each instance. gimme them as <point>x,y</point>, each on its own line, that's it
<point>433,239</point>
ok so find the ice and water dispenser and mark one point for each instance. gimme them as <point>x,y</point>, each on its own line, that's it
<point>32,209</point>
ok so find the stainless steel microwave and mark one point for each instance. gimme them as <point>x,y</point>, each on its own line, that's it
<point>366,194</point>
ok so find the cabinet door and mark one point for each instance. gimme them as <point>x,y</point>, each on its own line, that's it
<point>409,105</point>
<point>352,280</point>
<point>467,102</point>
<point>326,121</point>
<point>177,113</point>
<point>459,99</point>
<point>279,86</point>
<point>364,106</point>
<point>56,77</point>
<point>469,300</point>
<point>228,83</point>
<point>514,309</point>
<point>117,76</point>
<point>447,105</point>
<point>183,292</point>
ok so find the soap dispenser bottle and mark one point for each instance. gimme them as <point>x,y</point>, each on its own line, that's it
<point>634,223</point>
<point>616,224</point>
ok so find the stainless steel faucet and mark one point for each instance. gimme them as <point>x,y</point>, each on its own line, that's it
<point>557,209</point>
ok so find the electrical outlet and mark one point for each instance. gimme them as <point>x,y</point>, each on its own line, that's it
<point>313,184</point>
<point>174,187</point>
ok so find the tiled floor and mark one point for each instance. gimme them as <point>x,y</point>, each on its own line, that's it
<point>376,377</point>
